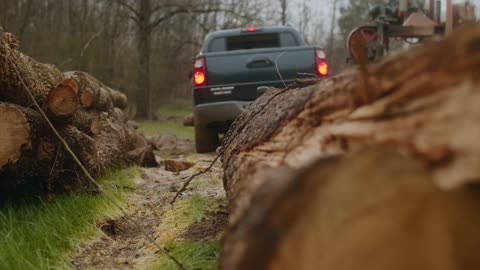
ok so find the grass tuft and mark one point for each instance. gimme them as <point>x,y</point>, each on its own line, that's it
<point>185,212</point>
<point>175,221</point>
<point>43,236</point>
<point>197,255</point>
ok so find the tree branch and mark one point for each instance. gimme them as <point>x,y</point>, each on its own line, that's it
<point>129,7</point>
<point>177,11</point>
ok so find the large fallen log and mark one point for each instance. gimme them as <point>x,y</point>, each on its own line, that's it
<point>305,192</point>
<point>26,152</point>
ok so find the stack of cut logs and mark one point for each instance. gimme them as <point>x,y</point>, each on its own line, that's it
<point>377,168</point>
<point>84,111</point>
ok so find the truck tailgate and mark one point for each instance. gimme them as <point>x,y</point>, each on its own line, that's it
<point>244,66</point>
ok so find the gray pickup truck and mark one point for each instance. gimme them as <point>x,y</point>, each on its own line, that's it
<point>236,66</point>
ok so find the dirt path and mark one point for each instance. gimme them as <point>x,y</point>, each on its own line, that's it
<point>122,246</point>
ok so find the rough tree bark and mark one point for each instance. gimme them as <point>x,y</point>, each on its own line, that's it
<point>376,168</point>
<point>144,34</point>
<point>40,78</point>
<point>33,162</point>
<point>94,94</point>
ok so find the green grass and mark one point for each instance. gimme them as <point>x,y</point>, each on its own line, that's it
<point>174,110</point>
<point>43,236</point>
<point>175,221</point>
<point>186,211</point>
<point>175,128</point>
<point>196,255</point>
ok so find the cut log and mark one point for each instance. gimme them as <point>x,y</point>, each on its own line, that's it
<point>33,161</point>
<point>25,153</point>
<point>15,133</point>
<point>423,103</point>
<point>376,207</point>
<point>72,83</point>
<point>12,40</point>
<point>15,67</point>
<point>87,98</point>
<point>133,124</point>
<point>163,142</point>
<point>87,121</point>
<point>143,156</point>
<point>173,165</point>
<point>62,102</point>
<point>118,113</point>
<point>189,120</point>
<point>95,94</point>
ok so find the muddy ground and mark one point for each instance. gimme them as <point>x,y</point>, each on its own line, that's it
<point>122,245</point>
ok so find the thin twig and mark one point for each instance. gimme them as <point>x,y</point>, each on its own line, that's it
<point>217,157</point>
<point>55,161</point>
<point>278,70</point>
<point>87,174</point>
<point>85,47</point>
<point>193,176</point>
<point>222,151</point>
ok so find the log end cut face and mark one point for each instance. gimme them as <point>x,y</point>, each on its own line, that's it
<point>63,101</point>
<point>14,132</point>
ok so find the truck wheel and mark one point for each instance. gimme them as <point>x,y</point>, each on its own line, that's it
<point>206,139</point>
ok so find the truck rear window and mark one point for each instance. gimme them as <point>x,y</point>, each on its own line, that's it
<point>257,41</point>
<point>252,41</point>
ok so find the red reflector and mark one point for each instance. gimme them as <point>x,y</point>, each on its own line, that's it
<point>251,29</point>
<point>199,78</point>
<point>323,68</point>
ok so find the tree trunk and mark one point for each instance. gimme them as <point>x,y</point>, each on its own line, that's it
<point>283,6</point>
<point>143,51</point>
<point>306,190</point>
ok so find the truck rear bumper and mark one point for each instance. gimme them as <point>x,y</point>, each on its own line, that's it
<point>218,112</point>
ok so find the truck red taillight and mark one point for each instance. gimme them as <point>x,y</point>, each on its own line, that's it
<point>199,73</point>
<point>322,65</point>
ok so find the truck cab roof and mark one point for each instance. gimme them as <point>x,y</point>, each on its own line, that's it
<point>294,38</point>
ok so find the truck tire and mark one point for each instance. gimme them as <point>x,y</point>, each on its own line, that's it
<point>206,139</point>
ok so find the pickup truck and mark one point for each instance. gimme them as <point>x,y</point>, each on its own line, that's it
<point>236,66</point>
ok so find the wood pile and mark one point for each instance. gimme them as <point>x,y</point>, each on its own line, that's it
<point>86,113</point>
<point>377,168</point>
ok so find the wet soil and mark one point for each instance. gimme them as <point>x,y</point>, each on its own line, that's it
<point>207,229</point>
<point>121,245</point>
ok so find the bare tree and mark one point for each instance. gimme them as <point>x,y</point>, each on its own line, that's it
<point>284,6</point>
<point>147,17</point>
<point>132,45</point>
